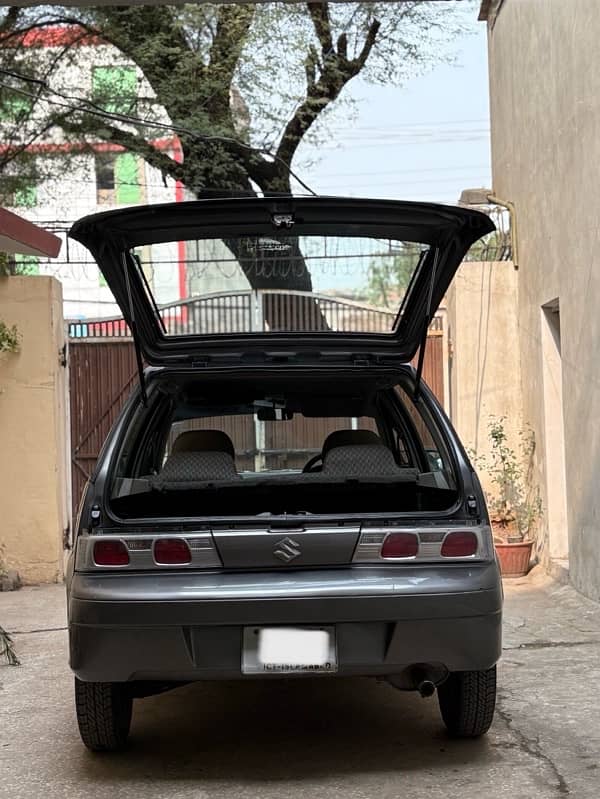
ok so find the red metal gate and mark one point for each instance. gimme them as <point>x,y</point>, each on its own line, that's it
<point>101,375</point>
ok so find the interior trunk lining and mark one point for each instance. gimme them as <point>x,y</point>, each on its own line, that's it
<point>262,497</point>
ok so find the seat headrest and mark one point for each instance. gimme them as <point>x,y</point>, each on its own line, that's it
<point>350,438</point>
<point>203,441</point>
<point>182,468</point>
<point>360,461</point>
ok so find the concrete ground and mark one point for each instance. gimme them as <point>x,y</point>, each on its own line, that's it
<point>356,739</point>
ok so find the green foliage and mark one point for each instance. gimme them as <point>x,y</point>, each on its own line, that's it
<point>10,340</point>
<point>26,264</point>
<point>517,504</point>
<point>18,264</point>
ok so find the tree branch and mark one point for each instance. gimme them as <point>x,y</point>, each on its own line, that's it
<point>336,71</point>
<point>12,153</point>
<point>319,13</point>
<point>233,25</point>
<point>11,19</point>
<point>361,60</point>
<point>311,64</point>
<point>132,143</point>
<point>150,37</point>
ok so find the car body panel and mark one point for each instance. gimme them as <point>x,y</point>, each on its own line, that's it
<point>189,626</point>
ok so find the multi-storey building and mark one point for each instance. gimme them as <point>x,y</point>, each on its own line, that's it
<point>71,178</point>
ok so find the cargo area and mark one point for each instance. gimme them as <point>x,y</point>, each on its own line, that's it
<point>342,447</point>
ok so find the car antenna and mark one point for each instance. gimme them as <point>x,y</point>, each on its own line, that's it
<point>427,322</point>
<point>134,332</point>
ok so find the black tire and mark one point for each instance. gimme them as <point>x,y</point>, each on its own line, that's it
<point>467,702</point>
<point>103,714</point>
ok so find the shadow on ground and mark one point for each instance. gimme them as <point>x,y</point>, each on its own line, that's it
<point>285,730</point>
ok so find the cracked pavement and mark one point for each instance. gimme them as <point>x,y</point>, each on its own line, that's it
<point>352,738</point>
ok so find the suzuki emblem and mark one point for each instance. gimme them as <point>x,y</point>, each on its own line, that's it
<point>287,549</point>
<point>283,220</point>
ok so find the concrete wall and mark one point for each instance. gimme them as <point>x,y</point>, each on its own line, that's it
<point>33,435</point>
<point>485,375</point>
<point>545,109</point>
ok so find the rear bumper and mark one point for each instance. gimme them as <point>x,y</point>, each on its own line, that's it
<point>188,626</point>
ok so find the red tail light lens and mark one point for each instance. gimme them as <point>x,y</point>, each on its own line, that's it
<point>172,551</point>
<point>110,553</point>
<point>400,545</point>
<point>459,545</point>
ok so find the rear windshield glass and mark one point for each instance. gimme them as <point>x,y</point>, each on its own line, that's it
<point>271,445</point>
<point>279,283</point>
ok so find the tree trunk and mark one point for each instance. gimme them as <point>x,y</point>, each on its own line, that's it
<point>281,310</point>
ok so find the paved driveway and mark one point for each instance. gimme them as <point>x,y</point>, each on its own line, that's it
<point>315,738</point>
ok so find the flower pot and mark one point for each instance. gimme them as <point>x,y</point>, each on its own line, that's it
<point>514,558</point>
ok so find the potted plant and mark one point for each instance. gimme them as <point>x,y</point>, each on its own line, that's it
<point>516,506</point>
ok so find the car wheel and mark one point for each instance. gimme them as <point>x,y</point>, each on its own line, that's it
<point>103,714</point>
<point>467,701</point>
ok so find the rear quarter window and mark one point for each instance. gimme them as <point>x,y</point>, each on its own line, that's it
<point>434,450</point>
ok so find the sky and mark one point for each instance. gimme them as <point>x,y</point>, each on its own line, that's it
<point>426,141</point>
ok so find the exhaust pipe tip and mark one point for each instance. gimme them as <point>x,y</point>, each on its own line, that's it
<point>426,688</point>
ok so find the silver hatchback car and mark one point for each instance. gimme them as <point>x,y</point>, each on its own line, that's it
<point>365,552</point>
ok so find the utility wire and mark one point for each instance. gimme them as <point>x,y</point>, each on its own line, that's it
<point>89,107</point>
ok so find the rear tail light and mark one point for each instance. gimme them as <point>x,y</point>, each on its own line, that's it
<point>147,552</point>
<point>400,545</point>
<point>425,545</point>
<point>459,545</point>
<point>111,553</point>
<point>172,552</point>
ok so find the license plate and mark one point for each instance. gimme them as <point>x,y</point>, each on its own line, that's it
<point>268,650</point>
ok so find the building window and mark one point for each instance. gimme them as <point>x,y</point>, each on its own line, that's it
<point>115,89</point>
<point>117,179</point>
<point>105,178</point>
<point>14,107</point>
<point>24,196</point>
